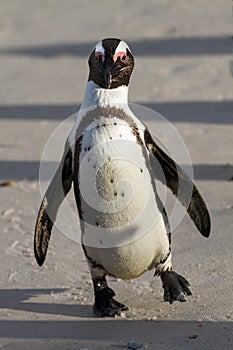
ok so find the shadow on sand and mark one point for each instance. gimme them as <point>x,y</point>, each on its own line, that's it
<point>217,112</point>
<point>189,46</point>
<point>92,331</point>
<point>29,170</point>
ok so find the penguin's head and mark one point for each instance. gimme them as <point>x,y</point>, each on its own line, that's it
<point>111,64</point>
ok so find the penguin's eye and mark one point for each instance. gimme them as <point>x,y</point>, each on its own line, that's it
<point>122,56</point>
<point>99,57</point>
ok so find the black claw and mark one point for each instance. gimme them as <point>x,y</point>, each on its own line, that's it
<point>105,305</point>
<point>176,287</point>
<point>108,307</point>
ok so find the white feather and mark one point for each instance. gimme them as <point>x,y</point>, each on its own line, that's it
<point>99,47</point>
<point>122,47</point>
<point>135,237</point>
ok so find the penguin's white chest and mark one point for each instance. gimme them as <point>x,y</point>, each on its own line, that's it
<point>123,229</point>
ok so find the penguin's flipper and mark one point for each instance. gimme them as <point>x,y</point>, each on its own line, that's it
<point>180,184</point>
<point>54,196</point>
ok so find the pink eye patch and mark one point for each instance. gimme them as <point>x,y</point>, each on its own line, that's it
<point>122,55</point>
<point>99,56</point>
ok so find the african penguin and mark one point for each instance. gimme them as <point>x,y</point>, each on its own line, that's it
<point>112,161</point>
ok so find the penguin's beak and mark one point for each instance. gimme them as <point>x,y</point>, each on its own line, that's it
<point>107,78</point>
<point>108,74</point>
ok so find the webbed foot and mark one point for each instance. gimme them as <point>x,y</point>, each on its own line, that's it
<point>175,286</point>
<point>105,305</point>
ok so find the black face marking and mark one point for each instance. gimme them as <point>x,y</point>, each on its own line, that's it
<point>110,45</point>
<point>108,74</point>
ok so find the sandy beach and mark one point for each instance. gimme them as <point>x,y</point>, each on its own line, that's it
<point>183,54</point>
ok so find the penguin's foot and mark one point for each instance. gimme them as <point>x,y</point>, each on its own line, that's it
<point>175,286</point>
<point>105,305</point>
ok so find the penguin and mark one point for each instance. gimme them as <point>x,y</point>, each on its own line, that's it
<point>112,161</point>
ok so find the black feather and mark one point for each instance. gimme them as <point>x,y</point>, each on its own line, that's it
<point>54,196</point>
<point>180,184</point>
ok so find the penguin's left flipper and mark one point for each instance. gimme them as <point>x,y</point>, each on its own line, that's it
<point>175,286</point>
<point>180,183</point>
<point>54,196</point>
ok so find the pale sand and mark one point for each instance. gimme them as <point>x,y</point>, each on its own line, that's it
<point>182,70</point>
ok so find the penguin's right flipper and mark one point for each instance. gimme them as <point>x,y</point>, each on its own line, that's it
<point>54,196</point>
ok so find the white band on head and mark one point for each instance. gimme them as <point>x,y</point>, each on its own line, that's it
<point>99,48</point>
<point>122,47</point>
